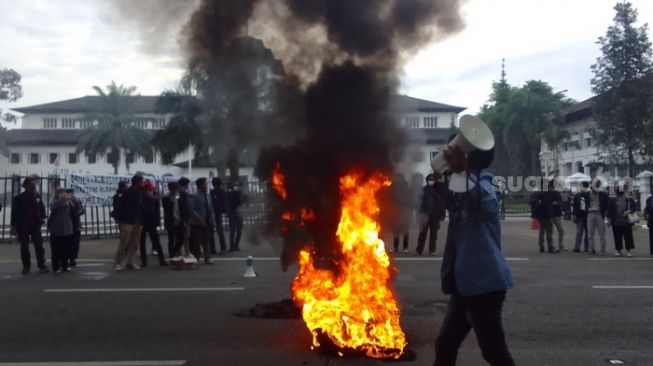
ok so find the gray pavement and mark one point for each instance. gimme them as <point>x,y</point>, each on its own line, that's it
<point>555,315</point>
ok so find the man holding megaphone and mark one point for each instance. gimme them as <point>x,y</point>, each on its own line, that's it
<point>474,271</point>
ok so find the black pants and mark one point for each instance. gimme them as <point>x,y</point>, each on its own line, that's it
<point>175,237</point>
<point>74,251</point>
<point>200,241</point>
<point>62,249</point>
<point>156,244</point>
<point>481,313</point>
<point>219,228</point>
<point>395,242</point>
<point>623,233</point>
<point>235,230</point>
<point>432,224</point>
<point>650,236</point>
<point>23,238</point>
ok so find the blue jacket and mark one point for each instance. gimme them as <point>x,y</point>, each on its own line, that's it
<point>473,263</point>
<point>201,209</point>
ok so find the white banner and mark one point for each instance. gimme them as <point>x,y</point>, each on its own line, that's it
<point>97,190</point>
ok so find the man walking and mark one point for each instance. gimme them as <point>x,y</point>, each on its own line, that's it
<point>596,212</point>
<point>220,207</point>
<point>580,206</point>
<point>430,212</point>
<point>27,217</point>
<point>130,218</point>
<point>201,222</point>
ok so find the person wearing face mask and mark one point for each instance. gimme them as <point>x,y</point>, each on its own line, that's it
<point>580,211</point>
<point>619,210</point>
<point>474,270</point>
<point>430,212</point>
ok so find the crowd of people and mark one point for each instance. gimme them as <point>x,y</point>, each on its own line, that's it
<point>592,210</point>
<point>188,218</point>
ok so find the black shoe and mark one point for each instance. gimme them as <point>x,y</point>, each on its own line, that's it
<point>72,263</point>
<point>222,252</point>
<point>143,265</point>
<point>213,252</point>
<point>576,250</point>
<point>541,250</point>
<point>25,271</point>
<point>44,269</point>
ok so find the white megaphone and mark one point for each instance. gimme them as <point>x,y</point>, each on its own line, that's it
<point>473,134</point>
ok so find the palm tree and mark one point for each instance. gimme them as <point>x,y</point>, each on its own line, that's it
<point>553,136</point>
<point>115,131</point>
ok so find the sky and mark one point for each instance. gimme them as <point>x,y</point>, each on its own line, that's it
<point>64,47</point>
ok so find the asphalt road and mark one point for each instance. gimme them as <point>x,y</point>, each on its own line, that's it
<point>556,315</point>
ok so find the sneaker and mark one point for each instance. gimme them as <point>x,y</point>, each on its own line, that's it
<point>117,267</point>
<point>433,253</point>
<point>132,267</point>
<point>154,252</point>
<point>417,253</point>
<point>406,252</point>
<point>44,269</point>
<point>617,253</point>
<point>176,258</point>
<point>26,270</point>
<point>208,261</point>
<point>554,251</point>
<point>65,270</point>
<point>628,253</point>
<point>56,271</point>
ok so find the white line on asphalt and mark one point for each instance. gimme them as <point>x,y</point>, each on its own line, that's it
<point>622,259</point>
<point>98,363</point>
<point>623,287</point>
<point>145,289</point>
<point>418,259</point>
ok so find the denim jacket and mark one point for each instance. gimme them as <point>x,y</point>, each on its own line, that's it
<point>201,209</point>
<point>473,263</point>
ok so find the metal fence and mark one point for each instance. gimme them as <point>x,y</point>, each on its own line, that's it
<point>97,222</point>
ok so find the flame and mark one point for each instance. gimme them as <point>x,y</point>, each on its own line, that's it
<point>356,307</point>
<point>279,181</point>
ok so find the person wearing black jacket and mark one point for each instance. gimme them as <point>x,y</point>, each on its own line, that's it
<point>648,214</point>
<point>115,200</point>
<point>76,213</point>
<point>235,201</point>
<point>184,216</point>
<point>151,222</point>
<point>27,217</point>
<point>619,208</point>
<point>580,207</point>
<point>543,211</point>
<point>430,212</point>
<point>130,219</point>
<point>220,207</point>
<point>172,217</point>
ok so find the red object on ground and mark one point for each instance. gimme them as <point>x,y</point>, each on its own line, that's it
<point>535,224</point>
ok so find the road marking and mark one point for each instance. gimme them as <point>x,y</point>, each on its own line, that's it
<point>144,289</point>
<point>621,259</point>
<point>623,287</point>
<point>418,259</point>
<point>98,363</point>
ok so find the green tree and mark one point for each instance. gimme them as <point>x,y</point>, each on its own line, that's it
<point>624,89</point>
<point>116,131</point>
<point>553,136</point>
<point>10,90</point>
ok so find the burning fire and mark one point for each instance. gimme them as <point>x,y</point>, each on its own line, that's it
<point>354,305</point>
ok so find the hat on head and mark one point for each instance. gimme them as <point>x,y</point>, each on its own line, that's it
<point>148,186</point>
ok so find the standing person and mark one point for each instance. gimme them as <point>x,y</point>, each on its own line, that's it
<point>596,212</point>
<point>151,222</point>
<point>235,201</point>
<point>619,209</point>
<point>115,200</point>
<point>648,215</point>
<point>130,212</point>
<point>557,215</point>
<point>566,203</point>
<point>201,222</point>
<point>580,206</point>
<point>76,213</point>
<point>220,207</point>
<point>27,217</point>
<point>474,271</point>
<point>542,207</point>
<point>430,212</point>
<point>172,217</point>
<point>400,191</point>
<point>60,226</point>
<point>185,216</point>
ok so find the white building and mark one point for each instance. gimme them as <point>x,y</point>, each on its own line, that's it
<point>47,140</point>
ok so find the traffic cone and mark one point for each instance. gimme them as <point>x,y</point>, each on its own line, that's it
<point>535,224</point>
<point>249,269</point>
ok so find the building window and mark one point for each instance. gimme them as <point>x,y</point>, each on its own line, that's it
<point>67,123</point>
<point>141,122</point>
<point>430,122</point>
<point>91,158</point>
<point>34,158</point>
<point>72,158</point>
<point>49,123</point>
<point>412,122</point>
<point>566,146</point>
<point>85,123</point>
<point>159,123</point>
<point>149,159</point>
<point>53,157</point>
<point>112,158</point>
<point>15,158</point>
<point>588,142</point>
<point>130,158</point>
<point>418,156</point>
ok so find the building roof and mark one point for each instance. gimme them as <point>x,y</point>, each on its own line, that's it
<point>404,103</point>
<point>29,137</point>
<point>89,103</point>
<point>579,111</point>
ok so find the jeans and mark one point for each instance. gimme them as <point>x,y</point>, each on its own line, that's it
<point>557,222</point>
<point>153,232</point>
<point>235,230</point>
<point>481,313</point>
<point>23,238</point>
<point>623,233</point>
<point>581,227</point>
<point>432,224</point>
